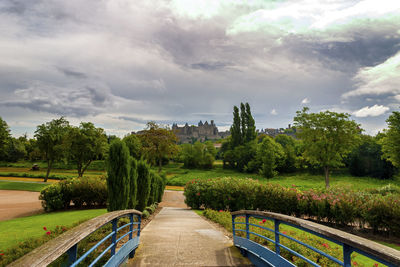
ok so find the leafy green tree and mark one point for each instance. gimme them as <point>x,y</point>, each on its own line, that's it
<point>143,183</point>
<point>327,136</point>
<point>51,138</point>
<point>4,139</point>
<point>288,144</point>
<point>158,143</point>
<point>118,180</point>
<point>85,144</point>
<point>133,176</point>
<point>15,150</point>
<point>366,159</point>
<point>391,140</point>
<point>198,155</point>
<point>134,145</point>
<point>269,156</point>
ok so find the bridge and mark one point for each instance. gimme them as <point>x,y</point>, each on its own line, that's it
<point>178,236</point>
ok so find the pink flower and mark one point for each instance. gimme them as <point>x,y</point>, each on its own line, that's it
<point>260,222</point>
<point>285,233</point>
<point>264,220</point>
<point>1,254</point>
<point>198,194</point>
<point>376,264</point>
<point>44,228</point>
<point>48,233</point>
<point>325,245</point>
<point>220,210</point>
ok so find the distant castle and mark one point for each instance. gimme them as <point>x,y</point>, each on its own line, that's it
<point>274,132</point>
<point>202,132</point>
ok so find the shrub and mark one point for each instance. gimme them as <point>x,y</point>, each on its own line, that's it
<point>143,182</point>
<point>118,176</point>
<point>77,192</point>
<point>380,211</point>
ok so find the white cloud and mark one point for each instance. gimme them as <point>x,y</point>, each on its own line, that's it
<point>375,110</point>
<point>378,80</point>
<point>274,112</point>
<point>305,101</point>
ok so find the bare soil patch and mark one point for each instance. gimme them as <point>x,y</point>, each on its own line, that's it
<point>14,204</point>
<point>174,199</point>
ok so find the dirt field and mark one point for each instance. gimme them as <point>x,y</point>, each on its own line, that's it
<point>15,204</point>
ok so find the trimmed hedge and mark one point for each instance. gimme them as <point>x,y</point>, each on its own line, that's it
<point>380,211</point>
<point>85,192</point>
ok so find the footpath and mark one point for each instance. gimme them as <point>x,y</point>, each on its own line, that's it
<point>177,236</point>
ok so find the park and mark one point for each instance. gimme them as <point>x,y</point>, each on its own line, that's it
<point>328,195</point>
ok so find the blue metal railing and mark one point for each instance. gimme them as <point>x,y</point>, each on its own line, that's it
<point>69,241</point>
<point>263,256</point>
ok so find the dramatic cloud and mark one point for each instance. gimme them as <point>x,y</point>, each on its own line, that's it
<point>120,63</point>
<point>375,110</point>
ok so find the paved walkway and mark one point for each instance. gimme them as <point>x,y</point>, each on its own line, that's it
<point>14,204</point>
<point>180,237</point>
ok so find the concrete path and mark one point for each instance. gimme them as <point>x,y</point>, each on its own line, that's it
<point>180,237</point>
<point>14,204</point>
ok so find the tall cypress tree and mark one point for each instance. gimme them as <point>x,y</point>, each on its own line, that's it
<point>251,133</point>
<point>243,122</point>
<point>235,128</point>
<point>118,176</point>
<point>143,182</point>
<point>132,183</point>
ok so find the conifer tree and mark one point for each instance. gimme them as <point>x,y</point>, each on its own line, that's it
<point>243,123</point>
<point>143,182</point>
<point>235,128</point>
<point>251,133</point>
<point>132,183</point>
<point>118,176</point>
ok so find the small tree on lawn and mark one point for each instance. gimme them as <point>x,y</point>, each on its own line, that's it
<point>51,138</point>
<point>327,137</point>
<point>118,176</point>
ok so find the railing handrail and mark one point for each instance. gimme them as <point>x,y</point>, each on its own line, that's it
<point>53,249</point>
<point>380,251</point>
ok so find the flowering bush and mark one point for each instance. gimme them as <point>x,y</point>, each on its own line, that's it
<point>345,206</point>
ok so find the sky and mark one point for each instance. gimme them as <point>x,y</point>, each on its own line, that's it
<point>122,63</point>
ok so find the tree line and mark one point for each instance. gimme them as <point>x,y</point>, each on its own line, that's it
<point>323,141</point>
<point>58,141</point>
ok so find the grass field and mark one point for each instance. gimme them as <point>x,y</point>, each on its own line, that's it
<point>17,230</point>
<point>179,176</point>
<point>40,174</point>
<point>26,186</point>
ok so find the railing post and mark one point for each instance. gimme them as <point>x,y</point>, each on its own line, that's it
<point>277,247</point>
<point>247,227</point>
<point>347,250</point>
<point>233,225</point>
<point>140,223</point>
<point>114,236</point>
<point>72,254</point>
<point>132,253</point>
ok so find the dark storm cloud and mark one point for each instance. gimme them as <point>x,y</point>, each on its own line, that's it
<point>71,73</point>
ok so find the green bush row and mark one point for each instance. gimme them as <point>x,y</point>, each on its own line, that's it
<point>85,192</point>
<point>30,175</point>
<point>96,165</point>
<point>380,211</point>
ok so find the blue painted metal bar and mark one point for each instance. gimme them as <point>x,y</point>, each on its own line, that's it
<point>114,236</point>
<point>262,227</point>
<point>72,254</point>
<point>119,239</point>
<point>101,255</point>
<point>374,258</point>
<point>277,245</point>
<point>123,226</point>
<point>247,226</point>
<point>347,255</point>
<point>298,255</point>
<point>264,237</point>
<point>313,249</point>
<point>91,250</point>
<point>233,224</point>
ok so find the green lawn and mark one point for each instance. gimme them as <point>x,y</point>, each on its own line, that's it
<point>177,175</point>
<point>17,230</point>
<point>26,186</point>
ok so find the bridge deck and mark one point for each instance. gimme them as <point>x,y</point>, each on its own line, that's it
<point>180,237</point>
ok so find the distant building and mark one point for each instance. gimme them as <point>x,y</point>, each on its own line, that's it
<point>274,132</point>
<point>201,132</point>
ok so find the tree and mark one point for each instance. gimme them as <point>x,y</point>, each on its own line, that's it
<point>158,143</point>
<point>143,183</point>
<point>251,133</point>
<point>366,159</point>
<point>134,145</point>
<point>288,144</point>
<point>133,175</point>
<point>15,150</point>
<point>243,123</point>
<point>118,176</point>
<point>51,138</point>
<point>327,137</point>
<point>198,155</point>
<point>4,139</point>
<point>235,128</point>
<point>85,144</point>
<point>391,140</point>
